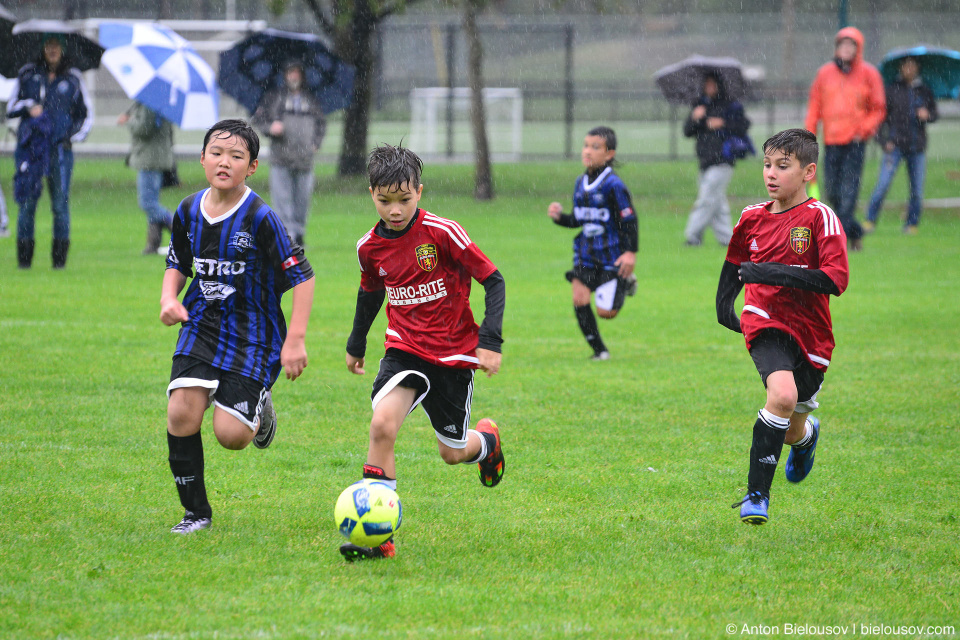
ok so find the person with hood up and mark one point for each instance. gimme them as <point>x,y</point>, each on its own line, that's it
<point>713,120</point>
<point>847,96</point>
<point>55,111</point>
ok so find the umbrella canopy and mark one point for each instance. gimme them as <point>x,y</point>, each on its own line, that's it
<point>26,45</point>
<point>939,68</point>
<point>255,64</point>
<point>682,82</point>
<point>7,20</point>
<point>157,67</point>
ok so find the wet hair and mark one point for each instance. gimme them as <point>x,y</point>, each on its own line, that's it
<point>608,135</point>
<point>794,142</point>
<point>237,128</point>
<point>390,166</point>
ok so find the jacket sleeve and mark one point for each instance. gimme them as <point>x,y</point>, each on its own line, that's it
<point>876,105</point>
<point>266,112</point>
<point>691,127</point>
<point>813,107</point>
<point>737,122</point>
<point>930,102</point>
<point>320,127</point>
<point>81,113</point>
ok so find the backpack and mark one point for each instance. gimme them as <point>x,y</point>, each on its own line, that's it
<point>736,147</point>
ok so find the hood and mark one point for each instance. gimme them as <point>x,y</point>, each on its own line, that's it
<point>854,34</point>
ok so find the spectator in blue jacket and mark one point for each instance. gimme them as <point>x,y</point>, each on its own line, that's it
<point>55,111</point>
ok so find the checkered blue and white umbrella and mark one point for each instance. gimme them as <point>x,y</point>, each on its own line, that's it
<point>158,68</point>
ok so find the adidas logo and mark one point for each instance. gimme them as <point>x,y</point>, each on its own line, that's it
<point>753,245</point>
<point>241,406</point>
<point>768,460</point>
<point>382,272</point>
<point>450,428</point>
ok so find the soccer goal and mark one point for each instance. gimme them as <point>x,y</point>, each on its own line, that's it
<point>440,126</point>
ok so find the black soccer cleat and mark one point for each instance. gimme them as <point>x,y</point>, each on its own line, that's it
<point>268,423</point>
<point>352,552</point>
<point>491,467</point>
<point>190,524</point>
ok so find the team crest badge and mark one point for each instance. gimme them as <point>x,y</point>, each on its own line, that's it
<point>427,256</point>
<point>242,240</point>
<point>800,239</point>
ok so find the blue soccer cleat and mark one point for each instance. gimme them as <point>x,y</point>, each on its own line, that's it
<point>800,461</point>
<point>753,508</point>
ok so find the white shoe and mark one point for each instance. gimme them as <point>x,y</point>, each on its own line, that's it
<point>190,523</point>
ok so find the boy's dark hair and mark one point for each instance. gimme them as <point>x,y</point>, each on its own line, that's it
<point>390,166</point>
<point>608,135</point>
<point>796,142</point>
<point>237,128</point>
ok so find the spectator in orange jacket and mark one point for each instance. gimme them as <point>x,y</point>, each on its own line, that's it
<point>847,96</point>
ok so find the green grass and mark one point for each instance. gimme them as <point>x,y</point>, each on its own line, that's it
<point>613,519</point>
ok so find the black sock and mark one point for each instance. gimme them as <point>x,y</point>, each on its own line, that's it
<point>768,434</point>
<point>488,442</point>
<point>186,463</point>
<point>588,325</point>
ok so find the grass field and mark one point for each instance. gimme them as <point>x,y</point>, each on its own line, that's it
<point>613,519</point>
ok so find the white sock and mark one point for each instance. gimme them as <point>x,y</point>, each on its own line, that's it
<point>774,421</point>
<point>807,438</point>
<point>483,447</point>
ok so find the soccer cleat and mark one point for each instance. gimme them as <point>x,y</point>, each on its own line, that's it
<point>800,461</point>
<point>603,355</point>
<point>910,230</point>
<point>868,226</point>
<point>190,523</point>
<point>353,552</point>
<point>630,284</point>
<point>491,467</point>
<point>268,424</point>
<point>753,508</point>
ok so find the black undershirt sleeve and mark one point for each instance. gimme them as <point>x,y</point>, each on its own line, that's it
<point>629,235</point>
<point>727,291</point>
<point>368,306</point>
<point>785,275</point>
<point>567,220</point>
<point>494,302</point>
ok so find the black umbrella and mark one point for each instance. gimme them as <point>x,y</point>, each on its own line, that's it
<point>255,64</point>
<point>682,82</point>
<point>26,45</point>
<point>7,20</point>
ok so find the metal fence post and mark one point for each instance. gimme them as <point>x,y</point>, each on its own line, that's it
<point>568,92</point>
<point>451,82</point>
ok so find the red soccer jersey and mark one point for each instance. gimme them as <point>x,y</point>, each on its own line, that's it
<point>807,236</point>
<point>426,273</point>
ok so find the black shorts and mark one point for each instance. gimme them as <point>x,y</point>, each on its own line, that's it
<point>446,394</point>
<point>238,395</point>
<point>609,288</point>
<point>774,350</point>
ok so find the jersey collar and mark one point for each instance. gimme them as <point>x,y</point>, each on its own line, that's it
<point>590,186</point>
<point>232,211</point>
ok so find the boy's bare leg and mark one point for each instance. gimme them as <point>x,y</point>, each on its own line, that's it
<point>469,452</point>
<point>230,432</point>
<point>185,410</point>
<point>384,426</point>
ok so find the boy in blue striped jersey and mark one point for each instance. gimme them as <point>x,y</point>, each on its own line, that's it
<point>233,337</point>
<point>605,250</point>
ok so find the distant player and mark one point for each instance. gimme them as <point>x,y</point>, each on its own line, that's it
<point>791,253</point>
<point>605,250</point>
<point>233,339</point>
<point>423,265</point>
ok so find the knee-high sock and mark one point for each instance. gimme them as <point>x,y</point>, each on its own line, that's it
<point>186,463</point>
<point>588,325</point>
<point>768,434</point>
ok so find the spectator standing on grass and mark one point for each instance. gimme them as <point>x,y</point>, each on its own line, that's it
<point>151,153</point>
<point>903,136</point>
<point>55,111</point>
<point>847,96</point>
<point>293,119</point>
<point>713,120</point>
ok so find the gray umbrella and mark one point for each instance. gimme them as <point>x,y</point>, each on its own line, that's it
<point>682,82</point>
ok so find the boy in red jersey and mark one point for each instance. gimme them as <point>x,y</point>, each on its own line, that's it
<point>791,253</point>
<point>423,265</point>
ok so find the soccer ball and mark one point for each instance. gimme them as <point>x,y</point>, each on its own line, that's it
<point>368,513</point>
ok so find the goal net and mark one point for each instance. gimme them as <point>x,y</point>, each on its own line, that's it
<point>440,126</point>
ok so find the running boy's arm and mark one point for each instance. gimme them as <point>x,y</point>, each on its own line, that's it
<point>172,310</point>
<point>293,354</point>
<point>628,231</point>
<point>368,306</point>
<point>555,211</point>
<point>727,291</point>
<point>491,329</point>
<point>785,275</point>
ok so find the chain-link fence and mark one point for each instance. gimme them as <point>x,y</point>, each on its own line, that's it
<point>573,72</point>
